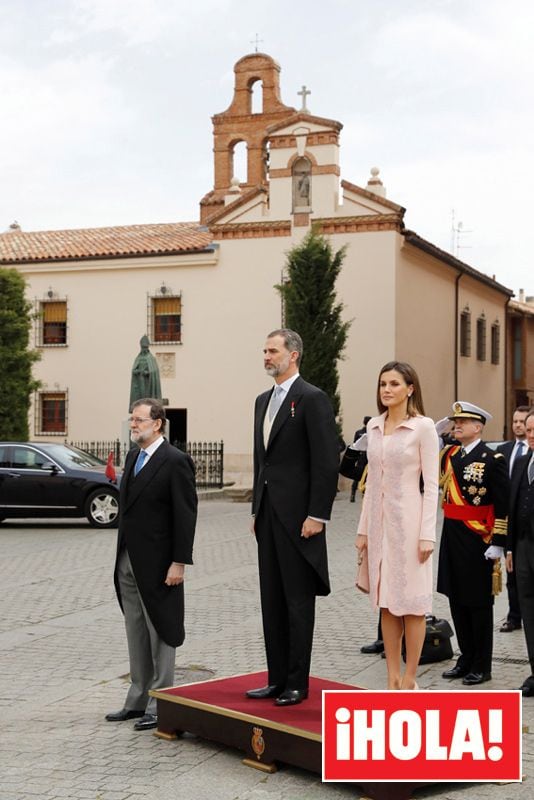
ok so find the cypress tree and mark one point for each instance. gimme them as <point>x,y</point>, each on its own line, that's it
<point>309,299</point>
<point>16,359</point>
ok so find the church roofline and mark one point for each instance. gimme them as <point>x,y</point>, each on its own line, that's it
<point>257,56</point>
<point>351,187</point>
<point>431,249</point>
<point>303,116</point>
<point>241,200</point>
<point>518,307</point>
<point>82,244</point>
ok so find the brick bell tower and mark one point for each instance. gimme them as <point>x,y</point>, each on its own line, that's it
<point>239,124</point>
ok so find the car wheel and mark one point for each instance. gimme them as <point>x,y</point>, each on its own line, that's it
<point>102,508</point>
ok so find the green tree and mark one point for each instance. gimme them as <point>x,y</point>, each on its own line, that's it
<point>16,359</point>
<point>309,298</point>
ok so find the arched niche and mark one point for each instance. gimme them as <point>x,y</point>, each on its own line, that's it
<point>302,185</point>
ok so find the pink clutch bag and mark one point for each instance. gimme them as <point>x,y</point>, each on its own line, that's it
<point>362,577</point>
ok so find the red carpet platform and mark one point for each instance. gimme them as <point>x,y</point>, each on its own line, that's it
<point>219,711</point>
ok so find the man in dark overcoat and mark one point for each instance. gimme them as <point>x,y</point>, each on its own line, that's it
<point>296,461</point>
<point>520,543</point>
<point>512,451</point>
<point>475,509</point>
<point>158,508</point>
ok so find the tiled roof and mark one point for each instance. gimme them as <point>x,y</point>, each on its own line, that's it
<point>17,246</point>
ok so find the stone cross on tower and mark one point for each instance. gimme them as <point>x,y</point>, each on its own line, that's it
<point>304,93</point>
<point>256,41</point>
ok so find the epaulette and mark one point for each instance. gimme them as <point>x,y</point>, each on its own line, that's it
<point>498,455</point>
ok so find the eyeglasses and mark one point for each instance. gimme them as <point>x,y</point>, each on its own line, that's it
<point>137,420</point>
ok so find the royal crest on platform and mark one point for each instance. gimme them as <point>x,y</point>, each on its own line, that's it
<point>258,742</point>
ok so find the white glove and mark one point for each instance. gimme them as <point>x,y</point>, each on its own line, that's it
<point>360,443</point>
<point>443,426</point>
<point>494,552</point>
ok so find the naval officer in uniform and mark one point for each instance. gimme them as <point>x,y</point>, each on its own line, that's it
<point>475,507</point>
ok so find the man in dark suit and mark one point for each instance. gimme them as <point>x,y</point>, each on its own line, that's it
<point>296,461</point>
<point>158,508</point>
<point>512,451</point>
<point>520,543</point>
<point>475,510</point>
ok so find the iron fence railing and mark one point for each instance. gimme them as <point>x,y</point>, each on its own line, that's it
<point>207,456</point>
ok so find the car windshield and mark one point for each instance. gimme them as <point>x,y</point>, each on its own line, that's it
<point>72,457</point>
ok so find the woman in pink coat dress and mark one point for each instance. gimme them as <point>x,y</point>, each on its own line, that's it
<point>397,528</point>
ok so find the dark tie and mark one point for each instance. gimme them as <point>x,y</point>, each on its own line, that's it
<point>530,471</point>
<point>140,461</point>
<point>463,452</point>
<point>519,450</point>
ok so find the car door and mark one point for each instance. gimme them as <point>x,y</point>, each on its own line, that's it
<point>33,485</point>
<point>5,477</point>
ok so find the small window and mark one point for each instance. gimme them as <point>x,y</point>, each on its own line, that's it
<point>481,338</point>
<point>167,319</point>
<point>518,351</point>
<point>52,413</point>
<point>54,322</point>
<point>495,343</point>
<point>465,332</point>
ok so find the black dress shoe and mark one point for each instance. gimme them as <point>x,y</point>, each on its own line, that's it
<point>146,722</point>
<point>474,678</point>
<point>455,672</point>
<point>291,697</point>
<point>123,715</point>
<point>375,647</point>
<point>265,693</point>
<point>509,626</point>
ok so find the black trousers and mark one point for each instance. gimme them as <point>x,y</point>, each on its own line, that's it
<point>287,589</point>
<point>514,610</point>
<point>474,631</point>
<point>524,571</point>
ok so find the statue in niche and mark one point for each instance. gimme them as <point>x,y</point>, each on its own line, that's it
<point>302,183</point>
<point>145,381</point>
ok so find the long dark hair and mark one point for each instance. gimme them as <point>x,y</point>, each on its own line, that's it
<point>415,401</point>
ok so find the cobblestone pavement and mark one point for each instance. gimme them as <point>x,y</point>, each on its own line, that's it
<point>63,666</point>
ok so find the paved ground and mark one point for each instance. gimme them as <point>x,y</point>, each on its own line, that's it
<point>63,666</point>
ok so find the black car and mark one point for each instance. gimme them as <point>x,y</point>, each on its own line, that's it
<point>56,480</point>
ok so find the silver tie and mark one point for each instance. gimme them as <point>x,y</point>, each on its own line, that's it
<point>276,402</point>
<point>530,471</point>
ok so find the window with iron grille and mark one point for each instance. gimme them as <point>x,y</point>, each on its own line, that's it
<point>165,319</point>
<point>481,338</point>
<point>517,350</point>
<point>465,332</point>
<point>495,343</point>
<point>52,329</point>
<point>51,413</point>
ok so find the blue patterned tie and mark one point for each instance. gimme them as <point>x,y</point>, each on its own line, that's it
<point>140,462</point>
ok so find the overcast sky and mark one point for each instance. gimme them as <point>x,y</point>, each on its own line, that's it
<point>106,108</point>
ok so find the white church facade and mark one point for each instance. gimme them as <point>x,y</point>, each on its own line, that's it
<point>205,295</point>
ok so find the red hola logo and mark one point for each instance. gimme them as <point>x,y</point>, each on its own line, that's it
<point>421,736</point>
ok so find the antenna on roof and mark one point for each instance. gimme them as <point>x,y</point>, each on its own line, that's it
<point>457,231</point>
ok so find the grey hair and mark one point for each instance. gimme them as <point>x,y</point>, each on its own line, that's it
<point>292,341</point>
<point>157,411</point>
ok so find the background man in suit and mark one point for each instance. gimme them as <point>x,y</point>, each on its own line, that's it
<point>512,451</point>
<point>520,543</point>
<point>158,508</point>
<point>296,461</point>
<point>475,510</point>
